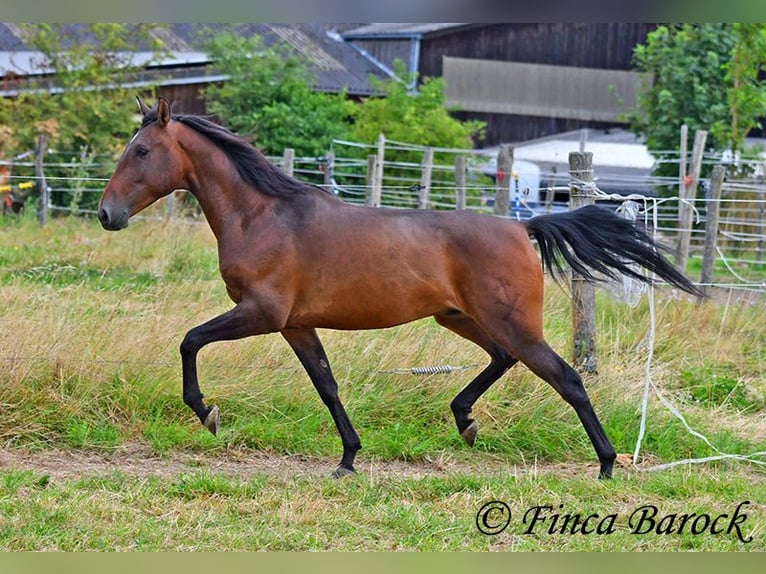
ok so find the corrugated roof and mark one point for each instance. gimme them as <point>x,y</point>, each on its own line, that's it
<point>336,64</point>
<point>10,38</point>
<point>393,29</point>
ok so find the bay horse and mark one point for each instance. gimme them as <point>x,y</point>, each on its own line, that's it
<point>295,257</point>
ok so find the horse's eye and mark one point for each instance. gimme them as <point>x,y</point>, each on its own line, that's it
<point>142,151</point>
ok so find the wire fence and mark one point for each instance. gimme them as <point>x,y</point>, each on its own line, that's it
<point>408,177</point>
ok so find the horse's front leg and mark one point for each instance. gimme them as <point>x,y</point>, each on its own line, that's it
<point>308,348</point>
<point>237,323</point>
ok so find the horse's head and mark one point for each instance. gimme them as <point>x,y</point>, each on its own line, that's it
<point>151,167</point>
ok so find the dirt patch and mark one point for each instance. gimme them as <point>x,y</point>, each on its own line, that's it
<point>141,461</point>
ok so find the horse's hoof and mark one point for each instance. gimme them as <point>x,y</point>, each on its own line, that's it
<point>470,432</point>
<point>342,471</point>
<point>212,419</point>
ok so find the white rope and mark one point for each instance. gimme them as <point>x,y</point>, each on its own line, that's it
<point>651,337</point>
<point>743,457</point>
<point>649,383</point>
<point>737,275</point>
<point>648,375</point>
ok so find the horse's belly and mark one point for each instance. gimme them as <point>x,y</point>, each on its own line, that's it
<point>368,310</point>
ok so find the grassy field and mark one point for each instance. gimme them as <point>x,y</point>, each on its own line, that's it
<point>91,323</point>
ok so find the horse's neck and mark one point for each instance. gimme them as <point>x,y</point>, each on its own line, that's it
<point>226,200</point>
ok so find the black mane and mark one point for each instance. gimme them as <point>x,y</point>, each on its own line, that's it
<point>251,164</point>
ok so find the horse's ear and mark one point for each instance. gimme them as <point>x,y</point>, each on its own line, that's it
<point>163,111</point>
<point>142,107</point>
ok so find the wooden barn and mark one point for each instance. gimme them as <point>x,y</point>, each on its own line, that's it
<point>187,69</point>
<point>524,80</point>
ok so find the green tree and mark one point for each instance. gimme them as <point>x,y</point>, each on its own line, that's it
<point>705,76</point>
<point>80,101</point>
<point>268,96</point>
<point>420,117</point>
<point>747,92</point>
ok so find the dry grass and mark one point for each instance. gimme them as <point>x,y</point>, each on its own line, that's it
<point>91,311</point>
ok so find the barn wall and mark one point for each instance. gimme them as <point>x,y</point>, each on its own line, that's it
<point>509,128</point>
<point>589,45</point>
<point>186,98</point>
<point>530,102</point>
<point>540,90</point>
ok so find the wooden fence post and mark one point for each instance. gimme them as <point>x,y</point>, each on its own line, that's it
<point>171,207</point>
<point>682,163</point>
<point>372,192</point>
<point>460,182</point>
<point>583,139</point>
<point>759,227</point>
<point>549,195</point>
<point>711,225</point>
<point>583,293</point>
<point>288,161</point>
<point>689,194</point>
<point>425,179</point>
<point>503,181</point>
<point>380,158</point>
<point>329,168</point>
<point>42,213</point>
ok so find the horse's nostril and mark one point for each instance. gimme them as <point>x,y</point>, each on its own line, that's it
<point>113,219</point>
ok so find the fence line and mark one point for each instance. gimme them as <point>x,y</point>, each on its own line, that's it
<point>420,370</point>
<point>75,187</point>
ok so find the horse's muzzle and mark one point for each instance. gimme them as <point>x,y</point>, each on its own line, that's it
<point>112,221</point>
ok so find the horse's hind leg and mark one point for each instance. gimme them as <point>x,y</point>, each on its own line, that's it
<point>500,362</point>
<point>310,352</point>
<point>547,365</point>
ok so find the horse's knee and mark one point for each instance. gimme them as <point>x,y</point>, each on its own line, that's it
<point>190,344</point>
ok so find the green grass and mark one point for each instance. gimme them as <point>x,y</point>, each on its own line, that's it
<point>204,511</point>
<point>754,272</point>
<point>92,322</point>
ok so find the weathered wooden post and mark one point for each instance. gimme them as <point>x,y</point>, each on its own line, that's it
<point>688,193</point>
<point>682,163</point>
<point>171,206</point>
<point>329,169</point>
<point>549,195</point>
<point>425,179</point>
<point>711,226</point>
<point>583,139</point>
<point>583,293</point>
<point>42,212</point>
<point>372,195</point>
<point>288,161</point>
<point>503,180</point>
<point>380,158</point>
<point>460,182</point>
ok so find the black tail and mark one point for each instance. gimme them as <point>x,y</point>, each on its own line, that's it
<point>595,238</point>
